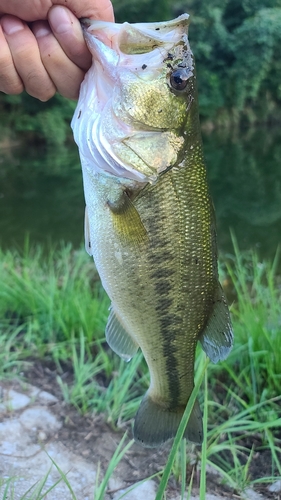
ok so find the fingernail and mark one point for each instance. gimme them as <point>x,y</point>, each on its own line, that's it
<point>11,25</point>
<point>60,20</point>
<point>41,29</point>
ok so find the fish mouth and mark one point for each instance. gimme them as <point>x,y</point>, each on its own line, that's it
<point>138,36</point>
<point>114,43</point>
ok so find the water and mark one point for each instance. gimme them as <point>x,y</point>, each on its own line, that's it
<point>245,180</point>
<point>41,191</point>
<point>41,195</point>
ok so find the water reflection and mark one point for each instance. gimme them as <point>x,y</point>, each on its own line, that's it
<point>41,191</point>
<point>41,194</point>
<point>245,180</point>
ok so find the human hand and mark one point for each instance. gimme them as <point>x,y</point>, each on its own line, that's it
<point>42,49</point>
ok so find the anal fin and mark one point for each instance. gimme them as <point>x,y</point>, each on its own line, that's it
<point>119,339</point>
<point>217,337</point>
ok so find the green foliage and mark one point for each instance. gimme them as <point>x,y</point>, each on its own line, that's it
<point>52,307</point>
<point>54,296</point>
<point>256,68</point>
<point>236,46</point>
<point>36,120</point>
<point>256,361</point>
<point>235,43</point>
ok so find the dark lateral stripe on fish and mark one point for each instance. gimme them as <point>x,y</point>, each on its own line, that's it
<point>170,323</point>
<point>170,355</point>
<point>163,285</point>
<point>163,305</point>
<point>162,273</point>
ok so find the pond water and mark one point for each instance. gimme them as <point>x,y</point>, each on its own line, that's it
<point>41,191</point>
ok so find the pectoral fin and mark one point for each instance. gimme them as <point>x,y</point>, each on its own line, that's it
<point>87,233</point>
<point>217,338</point>
<point>126,220</point>
<point>119,339</point>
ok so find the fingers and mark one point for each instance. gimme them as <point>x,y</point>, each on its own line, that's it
<point>27,10</point>
<point>10,81</point>
<point>95,9</point>
<point>37,61</point>
<point>53,56</point>
<point>31,10</point>
<point>65,74</point>
<point>68,32</point>
<point>20,61</point>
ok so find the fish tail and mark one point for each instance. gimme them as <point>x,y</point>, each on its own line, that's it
<point>154,424</point>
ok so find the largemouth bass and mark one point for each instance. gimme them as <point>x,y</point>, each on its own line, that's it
<point>149,221</point>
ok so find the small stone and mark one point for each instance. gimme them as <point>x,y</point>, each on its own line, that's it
<point>212,470</point>
<point>143,491</point>
<point>47,398</point>
<point>12,400</point>
<point>250,494</point>
<point>11,429</point>
<point>14,440</point>
<point>115,484</point>
<point>275,487</point>
<point>42,436</point>
<point>39,418</point>
<point>43,397</point>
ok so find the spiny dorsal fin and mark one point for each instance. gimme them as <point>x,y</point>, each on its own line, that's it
<point>127,221</point>
<point>217,337</point>
<point>119,339</point>
<point>87,233</point>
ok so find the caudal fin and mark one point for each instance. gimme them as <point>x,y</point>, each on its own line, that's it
<point>154,425</point>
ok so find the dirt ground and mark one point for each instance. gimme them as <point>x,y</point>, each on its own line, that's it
<point>36,426</point>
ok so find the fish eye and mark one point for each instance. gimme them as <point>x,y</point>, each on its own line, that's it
<point>179,79</point>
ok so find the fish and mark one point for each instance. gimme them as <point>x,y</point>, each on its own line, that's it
<point>149,219</point>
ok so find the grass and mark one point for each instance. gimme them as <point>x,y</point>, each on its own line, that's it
<point>52,306</point>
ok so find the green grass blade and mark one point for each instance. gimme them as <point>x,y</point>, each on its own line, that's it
<point>64,478</point>
<point>7,490</point>
<point>117,456</point>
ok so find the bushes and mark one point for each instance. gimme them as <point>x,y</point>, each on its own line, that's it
<point>236,46</point>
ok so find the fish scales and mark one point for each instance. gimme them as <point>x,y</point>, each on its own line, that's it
<point>150,225</point>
